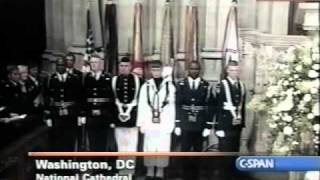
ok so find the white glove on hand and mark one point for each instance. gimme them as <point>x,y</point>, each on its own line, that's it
<point>112,125</point>
<point>81,121</point>
<point>220,133</point>
<point>49,122</point>
<point>177,131</point>
<point>206,132</point>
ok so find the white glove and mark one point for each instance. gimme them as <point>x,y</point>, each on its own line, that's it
<point>141,130</point>
<point>112,125</point>
<point>220,133</point>
<point>177,131</point>
<point>206,132</point>
<point>81,121</point>
<point>49,122</point>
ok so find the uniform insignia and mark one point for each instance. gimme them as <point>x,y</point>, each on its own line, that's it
<point>181,83</point>
<point>107,78</point>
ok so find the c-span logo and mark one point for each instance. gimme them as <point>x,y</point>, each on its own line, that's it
<point>278,163</point>
<point>255,163</point>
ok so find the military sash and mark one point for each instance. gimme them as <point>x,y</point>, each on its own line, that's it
<point>228,105</point>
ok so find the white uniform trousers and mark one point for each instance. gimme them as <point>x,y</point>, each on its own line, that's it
<point>156,141</point>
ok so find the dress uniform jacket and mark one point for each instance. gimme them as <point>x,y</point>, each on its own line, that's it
<point>126,90</point>
<point>192,106</point>
<point>224,117</point>
<point>162,99</point>
<point>99,99</point>
<point>64,98</point>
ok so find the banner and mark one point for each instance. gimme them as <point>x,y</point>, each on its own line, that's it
<point>111,38</point>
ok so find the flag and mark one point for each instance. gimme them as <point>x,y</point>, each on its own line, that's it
<point>89,40</point>
<point>111,38</point>
<point>166,47</point>
<point>191,34</point>
<point>231,50</point>
<point>137,57</point>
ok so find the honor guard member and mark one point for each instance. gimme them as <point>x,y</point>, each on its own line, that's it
<point>194,122</point>
<point>69,63</point>
<point>99,106</point>
<point>64,91</point>
<point>156,118</point>
<point>230,115</point>
<point>126,88</point>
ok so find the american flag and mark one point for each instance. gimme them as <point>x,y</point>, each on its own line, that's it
<point>89,40</point>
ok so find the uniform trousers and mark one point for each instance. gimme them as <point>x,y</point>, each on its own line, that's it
<point>127,141</point>
<point>156,141</point>
<point>229,143</point>
<point>63,134</point>
<point>191,141</point>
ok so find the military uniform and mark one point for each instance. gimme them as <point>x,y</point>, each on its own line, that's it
<point>192,105</point>
<point>156,118</point>
<point>192,112</point>
<point>99,108</point>
<point>64,91</point>
<point>126,90</point>
<point>230,117</point>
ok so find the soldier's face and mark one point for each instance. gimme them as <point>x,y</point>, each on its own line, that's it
<point>125,68</point>
<point>233,71</point>
<point>95,65</point>
<point>60,68</point>
<point>23,73</point>
<point>69,63</point>
<point>194,70</point>
<point>156,72</point>
<point>34,71</point>
<point>14,76</point>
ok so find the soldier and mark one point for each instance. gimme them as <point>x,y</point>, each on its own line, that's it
<point>193,118</point>
<point>126,88</point>
<point>156,117</point>
<point>64,92</point>
<point>69,63</point>
<point>99,104</point>
<point>230,117</point>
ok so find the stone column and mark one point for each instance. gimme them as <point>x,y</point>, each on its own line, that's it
<point>264,16</point>
<point>279,17</point>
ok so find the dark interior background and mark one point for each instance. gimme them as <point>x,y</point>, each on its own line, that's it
<point>22,32</point>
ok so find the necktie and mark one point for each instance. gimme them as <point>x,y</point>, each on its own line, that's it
<point>193,85</point>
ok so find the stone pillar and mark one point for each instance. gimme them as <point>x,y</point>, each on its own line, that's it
<point>247,13</point>
<point>79,24</point>
<point>263,16</point>
<point>279,17</point>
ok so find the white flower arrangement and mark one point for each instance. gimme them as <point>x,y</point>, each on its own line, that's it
<point>291,101</point>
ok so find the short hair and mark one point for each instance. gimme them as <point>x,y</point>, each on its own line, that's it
<point>60,61</point>
<point>11,68</point>
<point>195,62</point>
<point>233,63</point>
<point>96,55</point>
<point>69,56</point>
<point>125,59</point>
<point>155,64</point>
